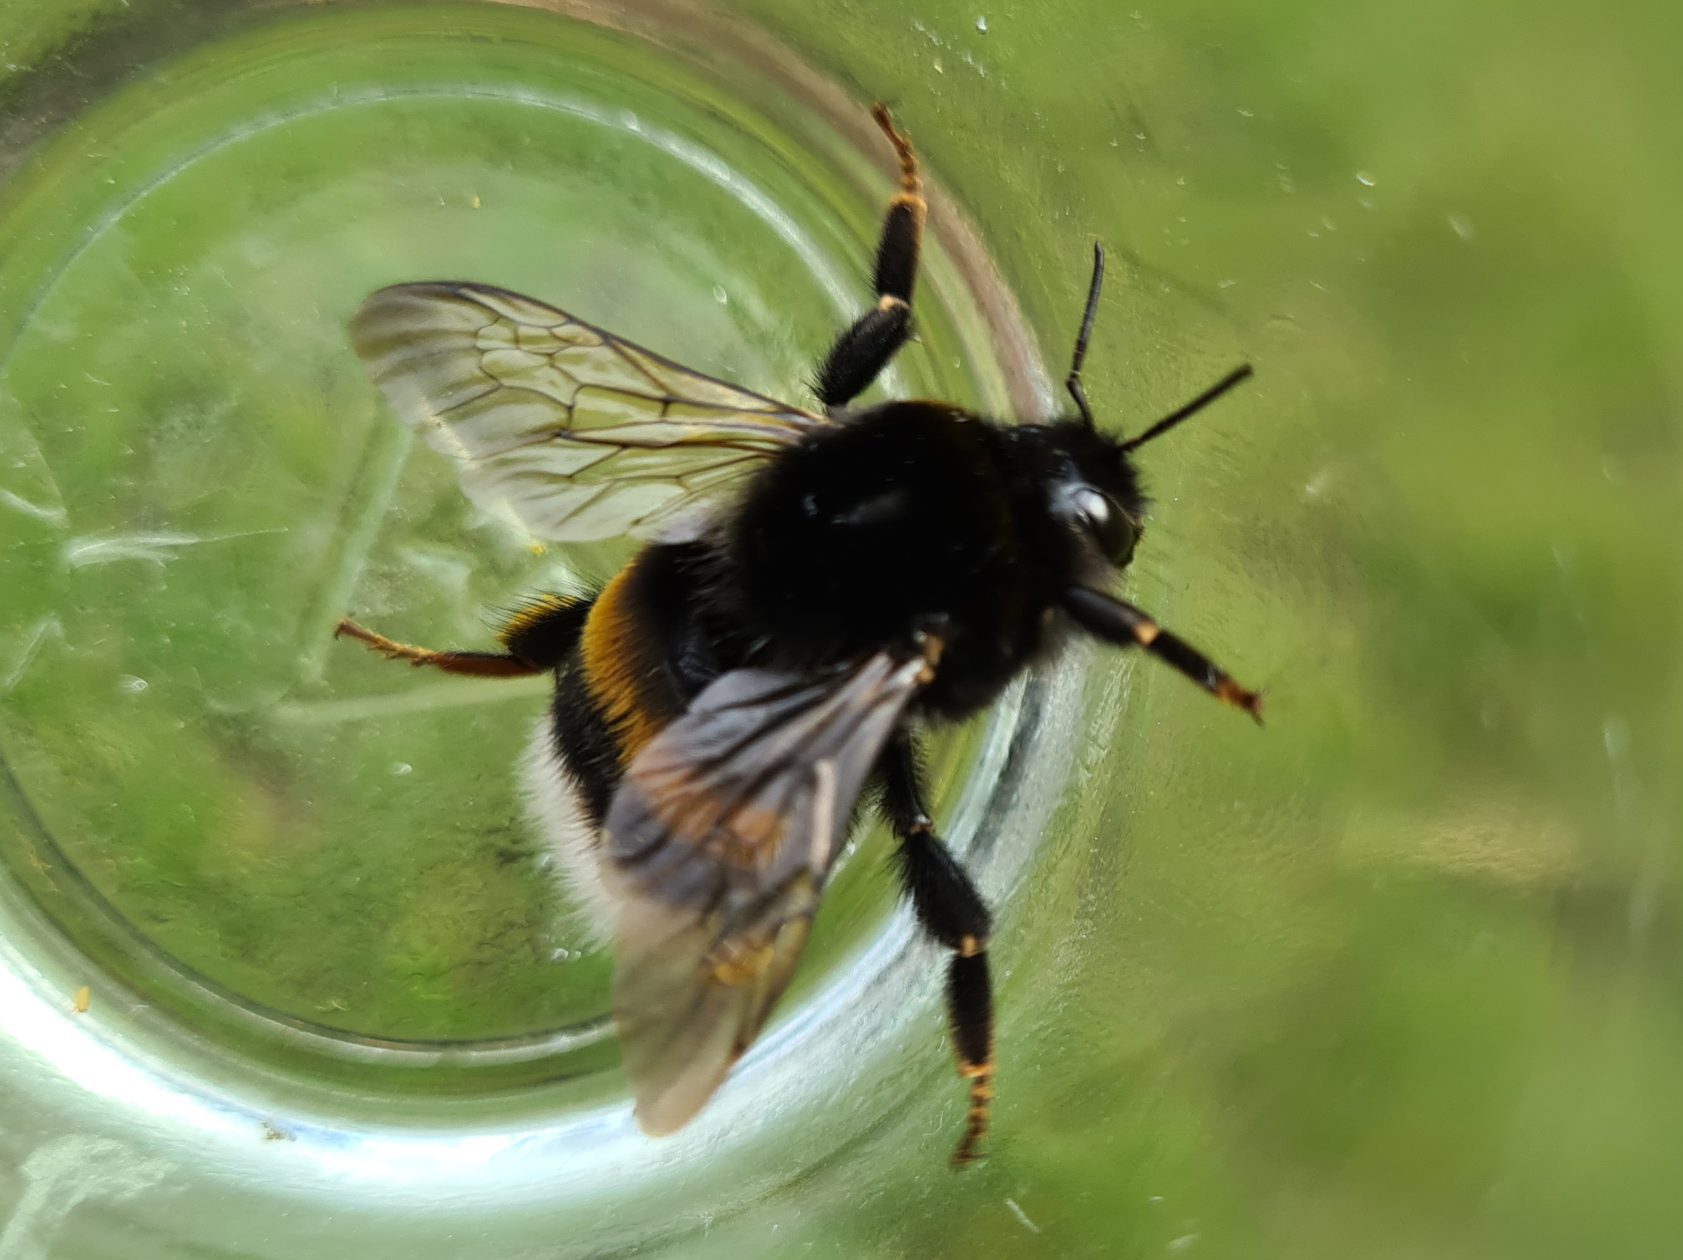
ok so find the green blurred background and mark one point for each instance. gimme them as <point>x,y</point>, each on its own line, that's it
<point>1399,976</point>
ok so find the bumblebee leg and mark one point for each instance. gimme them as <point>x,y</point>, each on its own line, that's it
<point>483,664</point>
<point>865,348</point>
<point>544,631</point>
<point>951,910</point>
<point>1119,622</point>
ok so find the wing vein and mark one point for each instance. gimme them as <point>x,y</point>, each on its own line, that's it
<point>676,438</point>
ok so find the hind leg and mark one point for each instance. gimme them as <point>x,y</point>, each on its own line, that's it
<point>536,638</point>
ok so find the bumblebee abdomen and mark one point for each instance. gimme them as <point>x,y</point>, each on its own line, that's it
<point>622,682</point>
<point>558,804</point>
<point>637,663</point>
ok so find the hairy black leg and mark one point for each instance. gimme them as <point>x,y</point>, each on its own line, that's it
<point>951,910</point>
<point>1119,622</point>
<point>865,349</point>
<point>544,630</point>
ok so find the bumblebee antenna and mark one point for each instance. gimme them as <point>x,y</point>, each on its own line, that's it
<point>1191,409</point>
<point>1072,382</point>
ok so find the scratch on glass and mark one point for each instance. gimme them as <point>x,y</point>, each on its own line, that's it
<point>51,515</point>
<point>48,625</point>
<point>1022,1217</point>
<point>157,546</point>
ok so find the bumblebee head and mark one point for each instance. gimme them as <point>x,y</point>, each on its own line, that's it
<point>1096,491</point>
<point>1093,491</point>
<point>1101,496</point>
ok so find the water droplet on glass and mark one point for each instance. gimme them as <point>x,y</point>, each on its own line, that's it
<point>134,686</point>
<point>982,25</point>
<point>1365,180</point>
<point>402,767</point>
<point>719,295</point>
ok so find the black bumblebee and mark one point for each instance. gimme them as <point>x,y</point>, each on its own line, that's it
<point>818,585</point>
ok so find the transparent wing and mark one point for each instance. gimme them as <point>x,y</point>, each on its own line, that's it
<point>559,427</point>
<point>719,842</point>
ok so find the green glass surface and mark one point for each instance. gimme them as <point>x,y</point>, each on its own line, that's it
<point>1396,976</point>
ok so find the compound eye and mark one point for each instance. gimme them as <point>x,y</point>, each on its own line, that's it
<point>1107,524</point>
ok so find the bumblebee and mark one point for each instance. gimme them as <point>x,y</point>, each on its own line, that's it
<point>817,586</point>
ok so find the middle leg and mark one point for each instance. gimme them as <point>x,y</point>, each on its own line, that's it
<point>952,911</point>
<point>862,351</point>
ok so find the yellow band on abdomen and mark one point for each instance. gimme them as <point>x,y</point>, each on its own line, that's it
<point>617,669</point>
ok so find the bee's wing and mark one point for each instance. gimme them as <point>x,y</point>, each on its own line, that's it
<point>565,430</point>
<point>718,844</point>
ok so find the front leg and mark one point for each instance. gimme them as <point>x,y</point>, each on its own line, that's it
<point>861,352</point>
<point>951,910</point>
